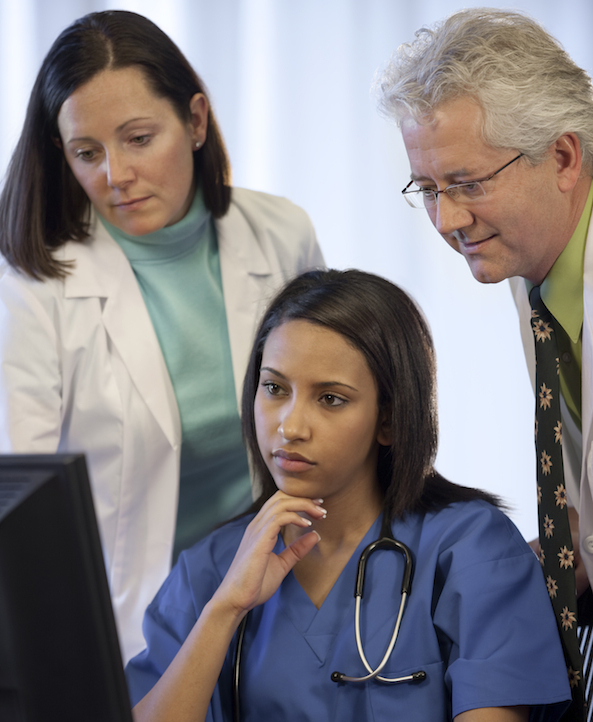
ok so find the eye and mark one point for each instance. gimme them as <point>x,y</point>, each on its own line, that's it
<point>272,389</point>
<point>140,139</point>
<point>85,154</point>
<point>470,190</point>
<point>426,192</point>
<point>332,400</point>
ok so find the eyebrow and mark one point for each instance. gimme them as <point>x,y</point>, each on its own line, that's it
<point>117,130</point>
<point>450,176</point>
<point>319,384</point>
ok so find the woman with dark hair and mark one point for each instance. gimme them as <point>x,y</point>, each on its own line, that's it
<point>132,280</point>
<point>340,418</point>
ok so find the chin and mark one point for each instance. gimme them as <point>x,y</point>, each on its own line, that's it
<point>294,487</point>
<point>487,275</point>
<point>138,228</point>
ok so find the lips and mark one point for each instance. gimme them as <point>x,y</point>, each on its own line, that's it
<point>468,244</point>
<point>291,461</point>
<point>131,204</point>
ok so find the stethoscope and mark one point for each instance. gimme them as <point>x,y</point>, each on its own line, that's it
<point>386,541</point>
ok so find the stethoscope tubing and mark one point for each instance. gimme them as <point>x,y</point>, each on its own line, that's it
<point>385,542</point>
<point>237,669</point>
<point>373,673</point>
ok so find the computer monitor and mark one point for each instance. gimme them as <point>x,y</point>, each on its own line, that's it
<point>59,652</point>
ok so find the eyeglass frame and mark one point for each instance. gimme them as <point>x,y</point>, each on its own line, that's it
<point>446,190</point>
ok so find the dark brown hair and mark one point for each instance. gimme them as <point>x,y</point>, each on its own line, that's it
<point>380,320</point>
<point>42,205</point>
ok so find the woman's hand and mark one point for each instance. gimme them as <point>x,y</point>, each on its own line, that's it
<point>183,692</point>
<point>256,571</point>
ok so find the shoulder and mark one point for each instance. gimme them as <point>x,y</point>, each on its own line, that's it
<point>219,544</point>
<point>95,270</point>
<point>478,519</point>
<point>473,532</point>
<point>200,569</point>
<point>269,209</point>
<point>474,510</point>
<point>280,227</point>
<point>22,296</point>
<point>266,234</point>
<point>478,568</point>
<point>92,265</point>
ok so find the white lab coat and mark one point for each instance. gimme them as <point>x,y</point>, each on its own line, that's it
<point>81,370</point>
<point>578,466</point>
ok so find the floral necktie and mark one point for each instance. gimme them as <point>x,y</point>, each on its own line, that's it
<point>556,551</point>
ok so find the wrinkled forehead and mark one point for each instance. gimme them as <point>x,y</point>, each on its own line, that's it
<point>448,142</point>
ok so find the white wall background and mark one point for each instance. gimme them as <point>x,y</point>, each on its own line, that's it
<point>290,82</point>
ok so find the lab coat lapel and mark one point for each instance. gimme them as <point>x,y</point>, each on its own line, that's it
<point>519,291</point>
<point>104,271</point>
<point>587,360</point>
<point>586,501</point>
<point>246,286</point>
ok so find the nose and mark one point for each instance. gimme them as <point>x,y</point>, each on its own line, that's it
<point>118,169</point>
<point>294,422</point>
<point>449,215</point>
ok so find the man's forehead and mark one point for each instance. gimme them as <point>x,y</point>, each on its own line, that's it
<point>448,142</point>
<point>452,175</point>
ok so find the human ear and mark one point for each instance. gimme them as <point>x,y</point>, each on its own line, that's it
<point>567,154</point>
<point>384,430</point>
<point>198,108</point>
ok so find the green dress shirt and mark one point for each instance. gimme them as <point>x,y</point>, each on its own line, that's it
<point>562,292</point>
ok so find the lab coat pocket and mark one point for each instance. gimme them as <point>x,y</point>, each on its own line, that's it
<point>419,700</point>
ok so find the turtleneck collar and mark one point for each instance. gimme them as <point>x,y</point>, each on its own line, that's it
<point>166,243</point>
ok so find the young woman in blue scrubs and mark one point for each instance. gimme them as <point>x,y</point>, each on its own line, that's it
<point>339,416</point>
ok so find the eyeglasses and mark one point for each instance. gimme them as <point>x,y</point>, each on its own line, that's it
<point>463,192</point>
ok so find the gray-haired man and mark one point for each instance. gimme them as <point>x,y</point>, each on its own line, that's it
<point>497,121</point>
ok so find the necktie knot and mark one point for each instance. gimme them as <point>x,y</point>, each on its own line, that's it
<point>538,307</point>
<point>535,298</point>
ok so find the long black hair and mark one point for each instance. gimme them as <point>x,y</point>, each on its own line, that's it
<point>380,320</point>
<point>42,205</point>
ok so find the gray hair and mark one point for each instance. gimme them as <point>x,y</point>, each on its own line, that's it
<point>530,90</point>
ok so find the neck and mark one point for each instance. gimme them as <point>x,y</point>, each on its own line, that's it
<point>578,200</point>
<point>349,517</point>
<point>341,532</point>
<point>567,226</point>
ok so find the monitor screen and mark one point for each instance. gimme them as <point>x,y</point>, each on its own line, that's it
<point>59,652</point>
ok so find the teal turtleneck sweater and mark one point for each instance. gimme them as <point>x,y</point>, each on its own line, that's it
<point>178,271</point>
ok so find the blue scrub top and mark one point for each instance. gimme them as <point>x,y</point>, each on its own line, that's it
<point>478,622</point>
